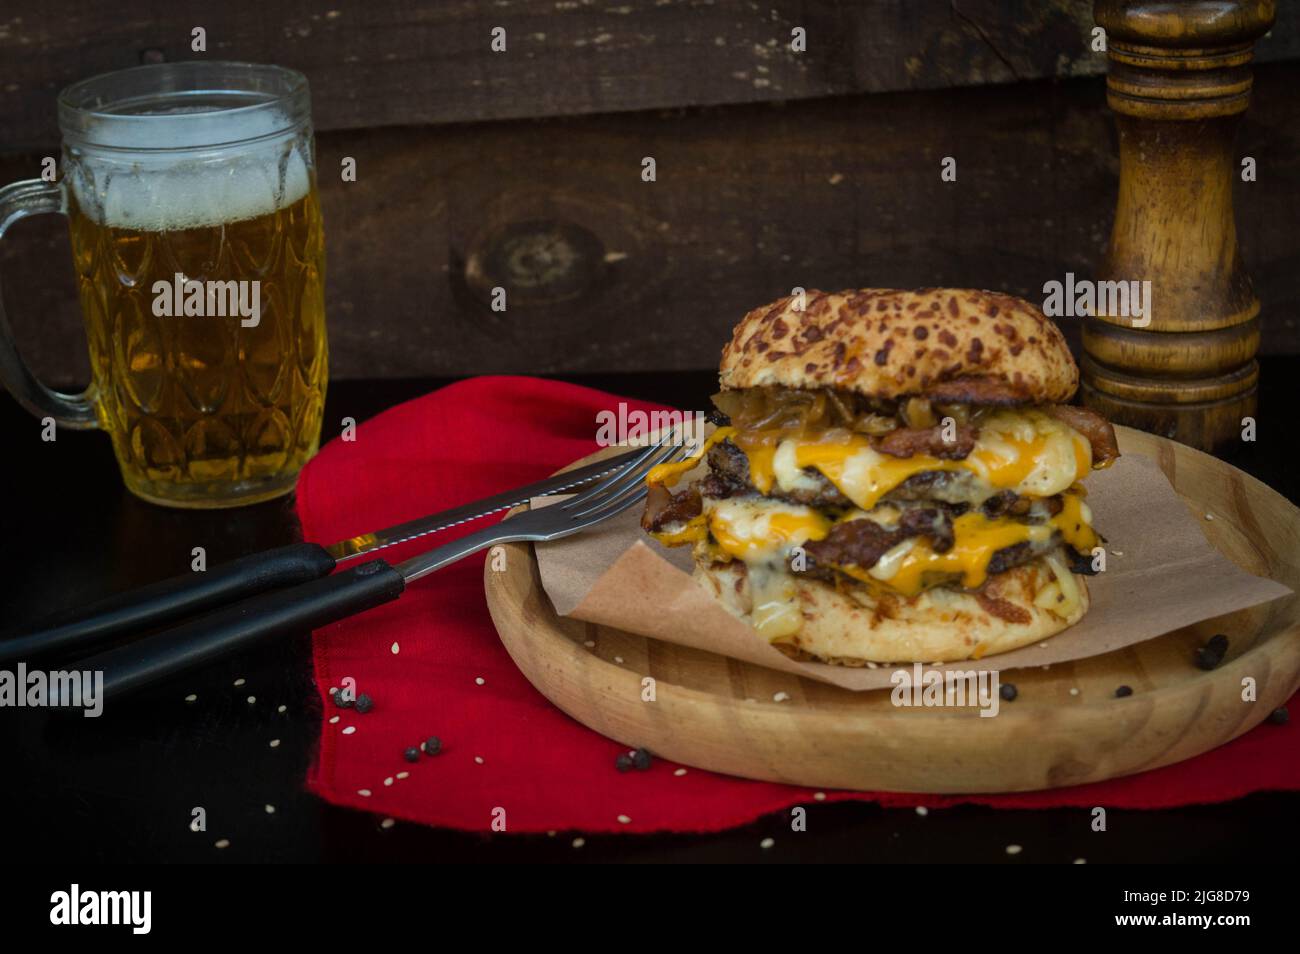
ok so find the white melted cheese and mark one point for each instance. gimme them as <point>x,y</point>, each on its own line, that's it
<point>1028,452</point>
<point>762,530</point>
<point>886,568</point>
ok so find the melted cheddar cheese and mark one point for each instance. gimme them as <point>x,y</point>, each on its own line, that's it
<point>912,565</point>
<point>1026,451</point>
<point>762,530</point>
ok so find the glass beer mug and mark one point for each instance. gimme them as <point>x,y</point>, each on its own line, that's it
<point>190,192</point>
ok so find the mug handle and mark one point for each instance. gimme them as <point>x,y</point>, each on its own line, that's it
<point>76,411</point>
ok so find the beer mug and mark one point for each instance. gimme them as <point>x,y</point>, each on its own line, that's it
<point>190,192</point>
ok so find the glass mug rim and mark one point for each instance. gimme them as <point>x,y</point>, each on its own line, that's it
<point>123,110</point>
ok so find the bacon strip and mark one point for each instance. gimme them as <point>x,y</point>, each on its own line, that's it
<point>911,441</point>
<point>977,389</point>
<point>664,509</point>
<point>1098,430</point>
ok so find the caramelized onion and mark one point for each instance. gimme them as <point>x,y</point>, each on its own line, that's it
<point>797,412</point>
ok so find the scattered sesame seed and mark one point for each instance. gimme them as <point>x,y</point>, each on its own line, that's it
<point>270,809</point>
<point>680,772</point>
<point>590,644</point>
<point>1042,645</point>
<point>479,680</point>
<point>1209,516</point>
<point>387,823</point>
<point>751,700</point>
<point>767,843</point>
<point>819,796</point>
<point>349,730</point>
<point>619,660</point>
<point>282,709</point>
<point>238,683</point>
<point>871,665</point>
<point>478,759</point>
<point>395,648</point>
<point>781,697</point>
<point>1080,861</point>
<point>1117,553</point>
<point>389,780</point>
<point>333,719</point>
<point>275,743</point>
<point>402,775</point>
<point>922,810</point>
<point>623,819</point>
<point>1014,849</point>
<point>579,842</point>
<point>191,698</point>
<point>223,843</point>
<point>1045,668</point>
<point>551,833</point>
<point>1074,690</point>
<point>363,792</point>
<point>252,699</point>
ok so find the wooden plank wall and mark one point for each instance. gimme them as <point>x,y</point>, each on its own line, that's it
<point>820,172</point>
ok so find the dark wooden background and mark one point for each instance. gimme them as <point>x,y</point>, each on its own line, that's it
<point>774,168</point>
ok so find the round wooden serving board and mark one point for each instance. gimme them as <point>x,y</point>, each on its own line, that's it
<point>719,714</point>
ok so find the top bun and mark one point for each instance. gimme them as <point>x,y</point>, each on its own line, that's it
<point>956,345</point>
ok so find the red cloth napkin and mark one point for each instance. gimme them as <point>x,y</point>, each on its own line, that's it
<point>433,664</point>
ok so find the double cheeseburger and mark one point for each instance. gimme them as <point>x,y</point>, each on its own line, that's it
<point>893,478</point>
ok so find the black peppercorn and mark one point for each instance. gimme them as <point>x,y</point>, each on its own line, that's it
<point>1123,691</point>
<point>641,760</point>
<point>364,703</point>
<point>1008,691</point>
<point>1279,716</point>
<point>432,745</point>
<point>623,763</point>
<point>412,754</point>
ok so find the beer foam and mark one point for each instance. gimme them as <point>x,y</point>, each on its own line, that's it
<point>125,181</point>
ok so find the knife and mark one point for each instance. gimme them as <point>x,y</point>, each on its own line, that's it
<point>168,600</point>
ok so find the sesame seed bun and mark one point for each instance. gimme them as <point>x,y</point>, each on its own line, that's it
<point>955,345</point>
<point>851,628</point>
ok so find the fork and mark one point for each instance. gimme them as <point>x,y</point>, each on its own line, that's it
<point>315,603</point>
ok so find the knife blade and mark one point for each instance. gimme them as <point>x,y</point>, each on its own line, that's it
<point>353,547</point>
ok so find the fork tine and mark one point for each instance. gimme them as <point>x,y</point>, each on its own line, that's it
<point>600,508</point>
<point>610,509</point>
<point>615,487</point>
<point>631,474</point>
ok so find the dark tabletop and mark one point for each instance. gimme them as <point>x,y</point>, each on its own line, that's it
<point>122,787</point>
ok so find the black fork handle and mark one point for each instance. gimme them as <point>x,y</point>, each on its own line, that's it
<point>169,600</point>
<point>191,645</point>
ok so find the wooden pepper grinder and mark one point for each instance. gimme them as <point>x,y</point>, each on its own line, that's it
<point>1179,81</point>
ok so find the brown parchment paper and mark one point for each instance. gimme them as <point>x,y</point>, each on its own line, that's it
<point>1161,574</point>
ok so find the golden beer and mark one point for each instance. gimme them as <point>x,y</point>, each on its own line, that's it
<point>201,409</point>
<point>190,192</point>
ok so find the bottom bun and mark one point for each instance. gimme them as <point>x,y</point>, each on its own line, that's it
<point>850,627</point>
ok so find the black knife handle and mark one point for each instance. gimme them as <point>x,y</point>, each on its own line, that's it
<point>225,631</point>
<point>172,599</point>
